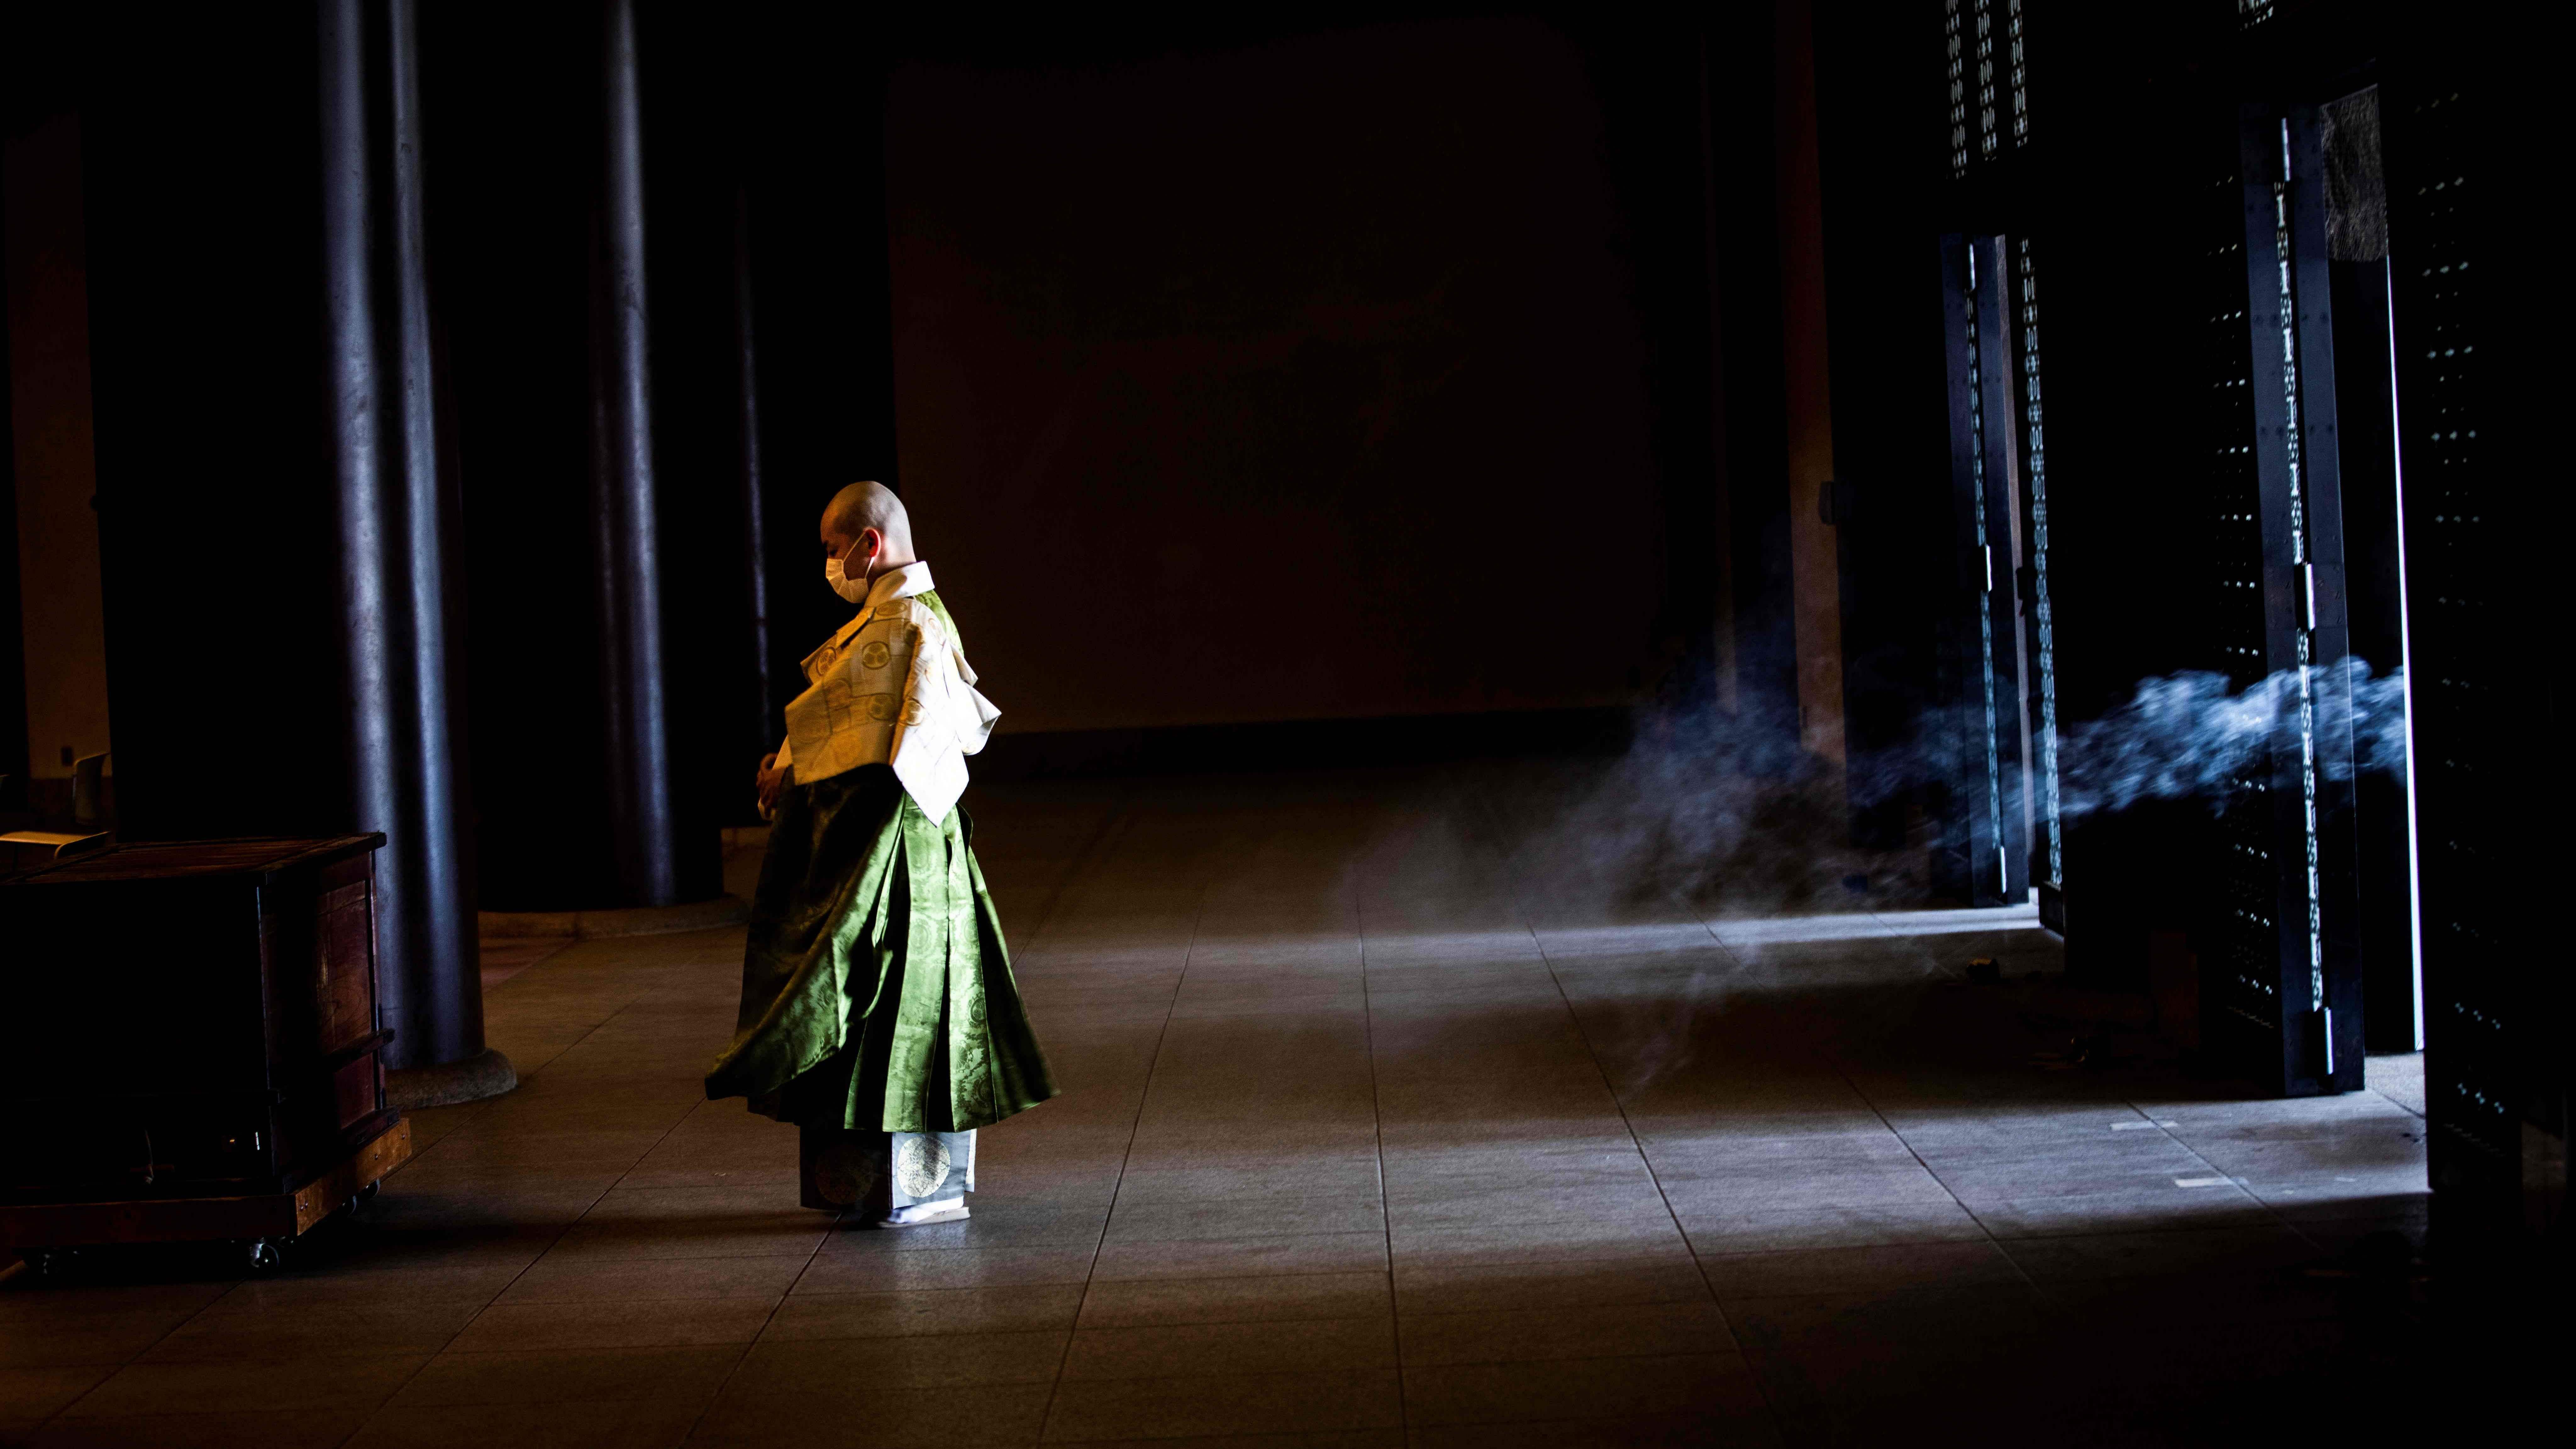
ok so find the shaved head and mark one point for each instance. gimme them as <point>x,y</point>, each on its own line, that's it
<point>863,506</point>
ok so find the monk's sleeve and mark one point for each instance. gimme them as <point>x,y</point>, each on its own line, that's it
<point>926,755</point>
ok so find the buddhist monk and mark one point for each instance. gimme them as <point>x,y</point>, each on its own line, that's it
<point>878,1012</point>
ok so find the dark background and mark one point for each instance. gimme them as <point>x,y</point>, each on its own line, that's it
<point>1305,381</point>
<point>1270,370</point>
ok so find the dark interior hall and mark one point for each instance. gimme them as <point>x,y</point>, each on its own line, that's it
<point>1775,722</point>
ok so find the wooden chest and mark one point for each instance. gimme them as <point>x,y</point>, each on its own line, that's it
<point>189,1022</point>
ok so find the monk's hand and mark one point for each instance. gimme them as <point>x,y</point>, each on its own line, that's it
<point>773,777</point>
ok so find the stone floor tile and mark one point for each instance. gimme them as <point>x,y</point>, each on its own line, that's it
<point>479,1193</point>
<point>1458,1203</point>
<point>293,1429</point>
<point>1897,1323</point>
<point>1318,1440</point>
<point>38,1393</point>
<point>1155,1301</point>
<point>1008,1224</point>
<point>823,1366</point>
<point>557,1151</point>
<point>743,1207</point>
<point>607,1280</point>
<point>2072,1175</point>
<point>2157,1208</point>
<point>1502,1287</point>
<point>24,1299</point>
<point>887,1418</point>
<point>631,1424</point>
<point>773,1176</point>
<point>640,1323</point>
<point>930,1311</point>
<point>1872,1269</point>
<point>1595,1388</point>
<point>1219,1218</point>
<point>1682,1326</point>
<point>540,1376</point>
<point>1354,1176</point>
<point>446,1261</point>
<point>1363,1252</point>
<point>1461,1245</point>
<point>588,1241</point>
<point>1292,1346</point>
<point>1124,1408</point>
<point>1677,1156</point>
<point>325,1329</point>
<point>602,1113</point>
<point>1088,1187</point>
<point>394,1287</point>
<point>943,1268</point>
<point>1677,1114</point>
<point>1183,1128</point>
<point>256,1387</point>
<point>2193,1301</point>
<point>1777,1230</point>
<point>68,1339</point>
<point>1441,1162</point>
<point>2336,1226</point>
<point>2246,1252</point>
<point>1692,1429</point>
<point>1757,1189</point>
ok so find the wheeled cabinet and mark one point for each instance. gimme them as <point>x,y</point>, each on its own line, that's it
<point>190,1046</point>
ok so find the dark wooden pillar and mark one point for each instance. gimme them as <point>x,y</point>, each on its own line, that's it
<point>391,512</point>
<point>766,704</point>
<point>636,731</point>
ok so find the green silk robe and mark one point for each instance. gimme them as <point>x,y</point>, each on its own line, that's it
<point>876,990</point>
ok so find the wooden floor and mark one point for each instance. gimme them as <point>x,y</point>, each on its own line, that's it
<point>1386,1123</point>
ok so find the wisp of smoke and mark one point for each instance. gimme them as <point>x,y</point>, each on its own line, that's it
<point>1682,815</point>
<point>2187,736</point>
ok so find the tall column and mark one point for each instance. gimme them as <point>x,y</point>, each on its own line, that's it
<point>764,721</point>
<point>1814,551</point>
<point>443,987</point>
<point>356,404</point>
<point>391,509</point>
<point>636,731</point>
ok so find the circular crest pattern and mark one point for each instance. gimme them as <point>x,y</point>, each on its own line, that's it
<point>920,1165</point>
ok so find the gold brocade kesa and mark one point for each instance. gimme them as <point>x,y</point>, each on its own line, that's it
<point>892,687</point>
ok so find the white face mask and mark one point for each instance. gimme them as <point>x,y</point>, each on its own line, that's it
<point>849,589</point>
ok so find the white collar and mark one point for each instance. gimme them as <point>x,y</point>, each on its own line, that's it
<point>895,583</point>
<point>901,582</point>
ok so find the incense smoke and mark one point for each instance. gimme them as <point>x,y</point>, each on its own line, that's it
<point>2186,736</point>
<point>1680,816</point>
<point>1691,822</point>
